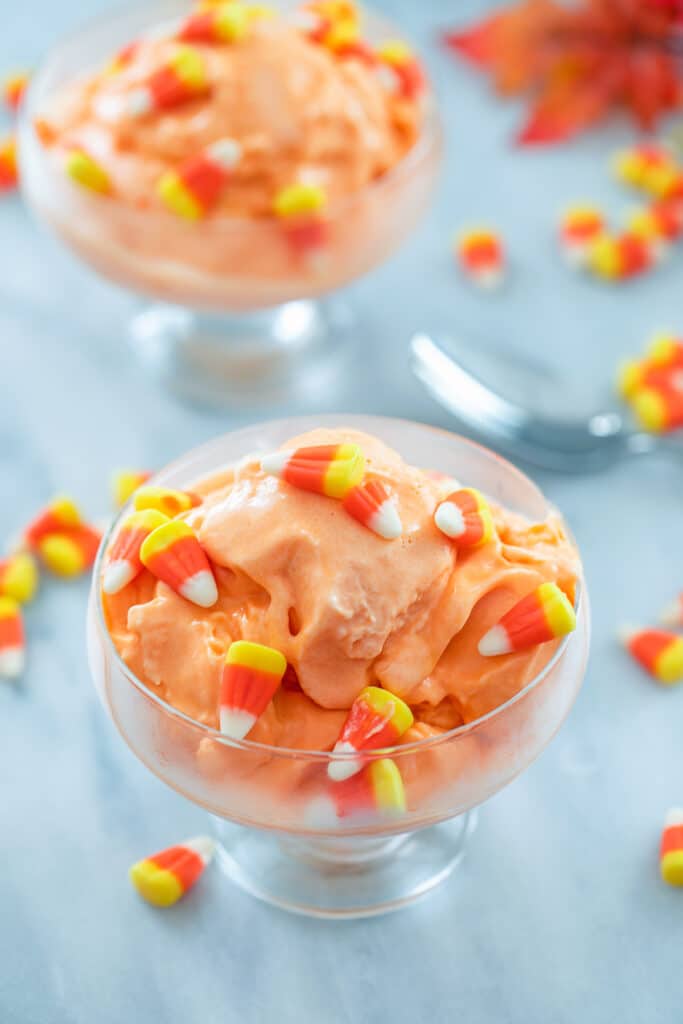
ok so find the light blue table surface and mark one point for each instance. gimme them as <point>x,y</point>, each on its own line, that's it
<point>557,915</point>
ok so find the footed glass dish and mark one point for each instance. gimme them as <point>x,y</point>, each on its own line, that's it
<point>236,314</point>
<point>269,805</point>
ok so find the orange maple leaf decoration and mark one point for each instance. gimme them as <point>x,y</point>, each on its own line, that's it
<point>581,62</point>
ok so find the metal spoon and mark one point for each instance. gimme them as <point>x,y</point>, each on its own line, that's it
<point>571,445</point>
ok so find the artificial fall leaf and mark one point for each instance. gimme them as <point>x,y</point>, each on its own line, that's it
<point>579,63</point>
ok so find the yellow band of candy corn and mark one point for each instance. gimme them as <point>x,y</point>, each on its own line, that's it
<point>157,885</point>
<point>345,471</point>
<point>163,537</point>
<point>388,705</point>
<point>557,608</point>
<point>256,656</point>
<point>177,198</point>
<point>387,786</point>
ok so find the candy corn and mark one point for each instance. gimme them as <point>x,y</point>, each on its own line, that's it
<point>671,848</point>
<point>13,89</point>
<point>19,577</point>
<point>166,876</point>
<point>672,614</point>
<point>615,259</point>
<point>376,719</point>
<point>300,208</point>
<point>465,517</point>
<point>659,224</point>
<point>646,166</point>
<point>659,652</point>
<point>543,615</point>
<point>251,675</point>
<point>9,171</point>
<point>181,80</point>
<point>193,190</point>
<point>371,504</point>
<point>123,558</point>
<point>330,469</point>
<point>660,408</point>
<point>170,502</point>
<point>580,226</point>
<point>173,554</point>
<point>376,790</point>
<point>400,69</point>
<point>86,172</point>
<point>125,482</point>
<point>224,23</point>
<point>70,552</point>
<point>481,257</point>
<point>664,355</point>
<point>12,640</point>
<point>62,513</point>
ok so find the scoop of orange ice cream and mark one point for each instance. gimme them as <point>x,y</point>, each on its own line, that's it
<point>298,112</point>
<point>344,606</point>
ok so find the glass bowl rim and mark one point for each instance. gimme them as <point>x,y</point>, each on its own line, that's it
<point>427,143</point>
<point>327,755</point>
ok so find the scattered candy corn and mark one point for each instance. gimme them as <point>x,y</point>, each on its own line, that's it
<point>371,504</point>
<point>465,517</point>
<point>543,615</point>
<point>658,224</point>
<point>376,719</point>
<point>9,172</point>
<point>181,80</point>
<point>579,227</point>
<point>123,558</point>
<point>251,675</point>
<point>672,615</point>
<point>170,502</point>
<point>12,640</point>
<point>125,482</point>
<point>645,166</point>
<point>616,259</point>
<point>13,89</point>
<point>193,190</point>
<point>19,577</point>
<point>660,408</point>
<point>62,513</point>
<point>86,172</point>
<point>659,652</point>
<point>332,469</point>
<point>671,848</point>
<point>166,876</point>
<point>224,23</point>
<point>400,69</point>
<point>70,552</point>
<point>173,554</point>
<point>482,257</point>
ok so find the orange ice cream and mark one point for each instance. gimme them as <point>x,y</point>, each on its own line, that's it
<point>293,110</point>
<point>345,607</point>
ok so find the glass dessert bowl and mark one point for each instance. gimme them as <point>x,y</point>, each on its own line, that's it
<point>238,264</point>
<point>295,830</point>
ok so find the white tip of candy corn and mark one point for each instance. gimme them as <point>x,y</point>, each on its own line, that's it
<point>236,724</point>
<point>226,152</point>
<point>495,642</point>
<point>320,813</point>
<point>386,522</point>
<point>200,589</point>
<point>340,770</point>
<point>489,280</point>
<point>12,662</point>
<point>674,816</point>
<point>450,519</point>
<point>117,576</point>
<point>203,846</point>
<point>275,462</point>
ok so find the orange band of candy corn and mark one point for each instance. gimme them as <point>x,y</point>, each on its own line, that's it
<point>331,470</point>
<point>251,675</point>
<point>377,789</point>
<point>671,848</point>
<point>123,558</point>
<point>659,652</point>
<point>466,518</point>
